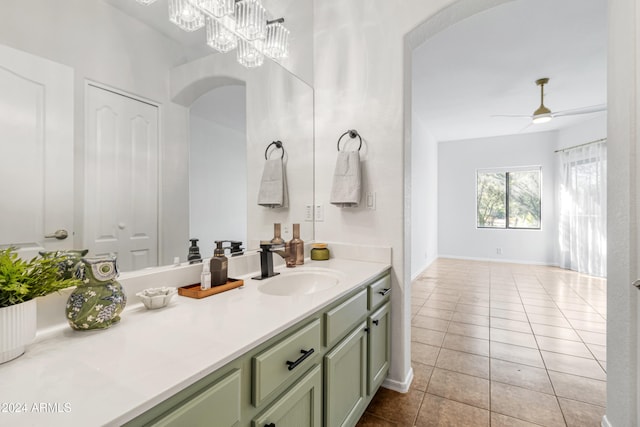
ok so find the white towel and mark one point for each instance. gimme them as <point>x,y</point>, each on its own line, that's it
<point>273,186</point>
<point>347,180</point>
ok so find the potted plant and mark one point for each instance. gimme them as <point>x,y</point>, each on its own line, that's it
<point>20,283</point>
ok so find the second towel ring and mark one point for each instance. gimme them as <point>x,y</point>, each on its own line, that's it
<point>278,144</point>
<point>352,134</point>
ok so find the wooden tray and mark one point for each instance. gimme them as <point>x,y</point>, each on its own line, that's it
<point>194,291</point>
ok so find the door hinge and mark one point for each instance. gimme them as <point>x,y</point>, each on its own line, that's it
<point>636,283</point>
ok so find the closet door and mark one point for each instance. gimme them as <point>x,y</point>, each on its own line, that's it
<point>121,178</point>
<point>36,151</point>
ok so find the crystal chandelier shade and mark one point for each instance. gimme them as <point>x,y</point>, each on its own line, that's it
<point>233,24</point>
<point>185,15</point>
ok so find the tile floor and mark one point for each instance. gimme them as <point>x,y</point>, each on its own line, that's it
<point>497,344</point>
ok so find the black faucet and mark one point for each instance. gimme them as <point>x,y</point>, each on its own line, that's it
<point>266,259</point>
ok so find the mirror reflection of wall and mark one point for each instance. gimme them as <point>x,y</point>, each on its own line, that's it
<point>218,167</point>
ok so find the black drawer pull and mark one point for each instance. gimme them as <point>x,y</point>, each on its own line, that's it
<point>375,322</point>
<point>270,425</point>
<point>366,329</point>
<point>305,354</point>
<point>385,291</point>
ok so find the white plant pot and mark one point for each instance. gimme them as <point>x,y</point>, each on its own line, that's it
<point>17,329</point>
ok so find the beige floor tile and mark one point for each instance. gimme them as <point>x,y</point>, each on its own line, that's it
<point>583,389</point>
<point>508,314</point>
<point>427,336</point>
<point>437,411</point>
<point>430,323</point>
<point>463,388</point>
<point>578,414</point>
<point>469,330</point>
<point>368,420</point>
<point>520,375</point>
<point>499,420</point>
<point>465,363</point>
<point>435,313</point>
<point>424,353</point>
<point>573,348</point>
<point>508,306</point>
<point>555,332</point>
<point>511,337</point>
<point>472,309</point>
<point>440,305</point>
<point>401,408</point>
<point>599,351</point>
<point>516,354</point>
<point>444,297</point>
<point>467,344</point>
<point>573,365</point>
<point>549,320</point>
<point>474,319</point>
<point>510,325</point>
<point>543,311</point>
<point>593,337</point>
<point>421,376</point>
<point>584,307</point>
<point>528,405</point>
<point>581,315</point>
<point>585,325</point>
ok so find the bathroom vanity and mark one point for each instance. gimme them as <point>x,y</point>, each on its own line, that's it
<point>253,356</point>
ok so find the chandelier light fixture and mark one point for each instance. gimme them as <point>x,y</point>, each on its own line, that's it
<point>233,24</point>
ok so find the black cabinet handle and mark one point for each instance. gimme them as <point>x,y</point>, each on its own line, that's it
<point>375,322</point>
<point>305,354</point>
<point>385,291</point>
<point>270,425</point>
<point>366,329</point>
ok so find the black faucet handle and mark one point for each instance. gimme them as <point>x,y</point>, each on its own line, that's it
<point>268,245</point>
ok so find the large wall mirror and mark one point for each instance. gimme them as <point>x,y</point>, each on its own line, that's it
<point>81,74</point>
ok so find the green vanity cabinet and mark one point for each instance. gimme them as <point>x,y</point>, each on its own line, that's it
<point>378,347</point>
<point>321,371</point>
<point>300,406</point>
<point>345,385</point>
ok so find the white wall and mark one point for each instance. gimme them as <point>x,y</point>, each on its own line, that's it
<point>458,235</point>
<point>590,130</point>
<point>424,197</point>
<point>218,151</point>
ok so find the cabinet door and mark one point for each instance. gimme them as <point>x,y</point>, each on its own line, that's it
<point>379,347</point>
<point>345,379</point>
<point>300,406</point>
<point>218,406</point>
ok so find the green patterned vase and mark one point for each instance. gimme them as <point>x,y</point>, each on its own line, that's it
<point>99,300</point>
<point>70,260</point>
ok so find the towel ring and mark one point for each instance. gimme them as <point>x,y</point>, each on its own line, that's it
<point>352,134</point>
<point>278,144</point>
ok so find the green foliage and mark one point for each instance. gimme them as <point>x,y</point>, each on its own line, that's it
<point>22,281</point>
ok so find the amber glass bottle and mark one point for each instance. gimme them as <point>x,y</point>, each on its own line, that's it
<point>277,239</point>
<point>297,245</point>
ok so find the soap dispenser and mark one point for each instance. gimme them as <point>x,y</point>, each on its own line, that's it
<point>194,252</point>
<point>218,265</point>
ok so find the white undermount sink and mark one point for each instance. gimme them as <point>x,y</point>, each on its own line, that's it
<point>301,282</point>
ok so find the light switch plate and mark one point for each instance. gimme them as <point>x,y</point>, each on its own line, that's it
<point>371,200</point>
<point>308,212</point>
<point>319,213</point>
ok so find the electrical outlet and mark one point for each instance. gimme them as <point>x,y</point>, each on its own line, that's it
<point>371,200</point>
<point>499,251</point>
<point>319,213</point>
<point>308,212</point>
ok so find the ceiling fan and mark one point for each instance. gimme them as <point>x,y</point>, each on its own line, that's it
<point>543,115</point>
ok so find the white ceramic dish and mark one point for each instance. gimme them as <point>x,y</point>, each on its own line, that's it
<point>153,298</point>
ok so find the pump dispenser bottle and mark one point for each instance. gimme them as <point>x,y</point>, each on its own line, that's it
<point>194,252</point>
<point>277,238</point>
<point>205,277</point>
<point>218,265</point>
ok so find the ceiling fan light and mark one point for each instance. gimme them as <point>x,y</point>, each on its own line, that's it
<point>542,118</point>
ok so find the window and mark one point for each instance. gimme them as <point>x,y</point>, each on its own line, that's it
<point>508,198</point>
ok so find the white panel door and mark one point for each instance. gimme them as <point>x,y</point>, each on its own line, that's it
<point>121,179</point>
<point>36,151</point>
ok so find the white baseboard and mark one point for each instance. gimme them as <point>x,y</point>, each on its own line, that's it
<point>605,422</point>
<point>509,261</point>
<point>399,386</point>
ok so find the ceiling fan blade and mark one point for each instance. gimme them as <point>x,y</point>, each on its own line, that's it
<point>583,110</point>
<point>512,115</point>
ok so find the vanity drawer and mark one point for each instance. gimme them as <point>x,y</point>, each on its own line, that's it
<point>379,291</point>
<point>341,319</point>
<point>285,360</point>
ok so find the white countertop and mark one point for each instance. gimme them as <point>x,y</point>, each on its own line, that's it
<point>108,377</point>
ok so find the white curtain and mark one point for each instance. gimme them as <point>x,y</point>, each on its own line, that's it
<point>583,209</point>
